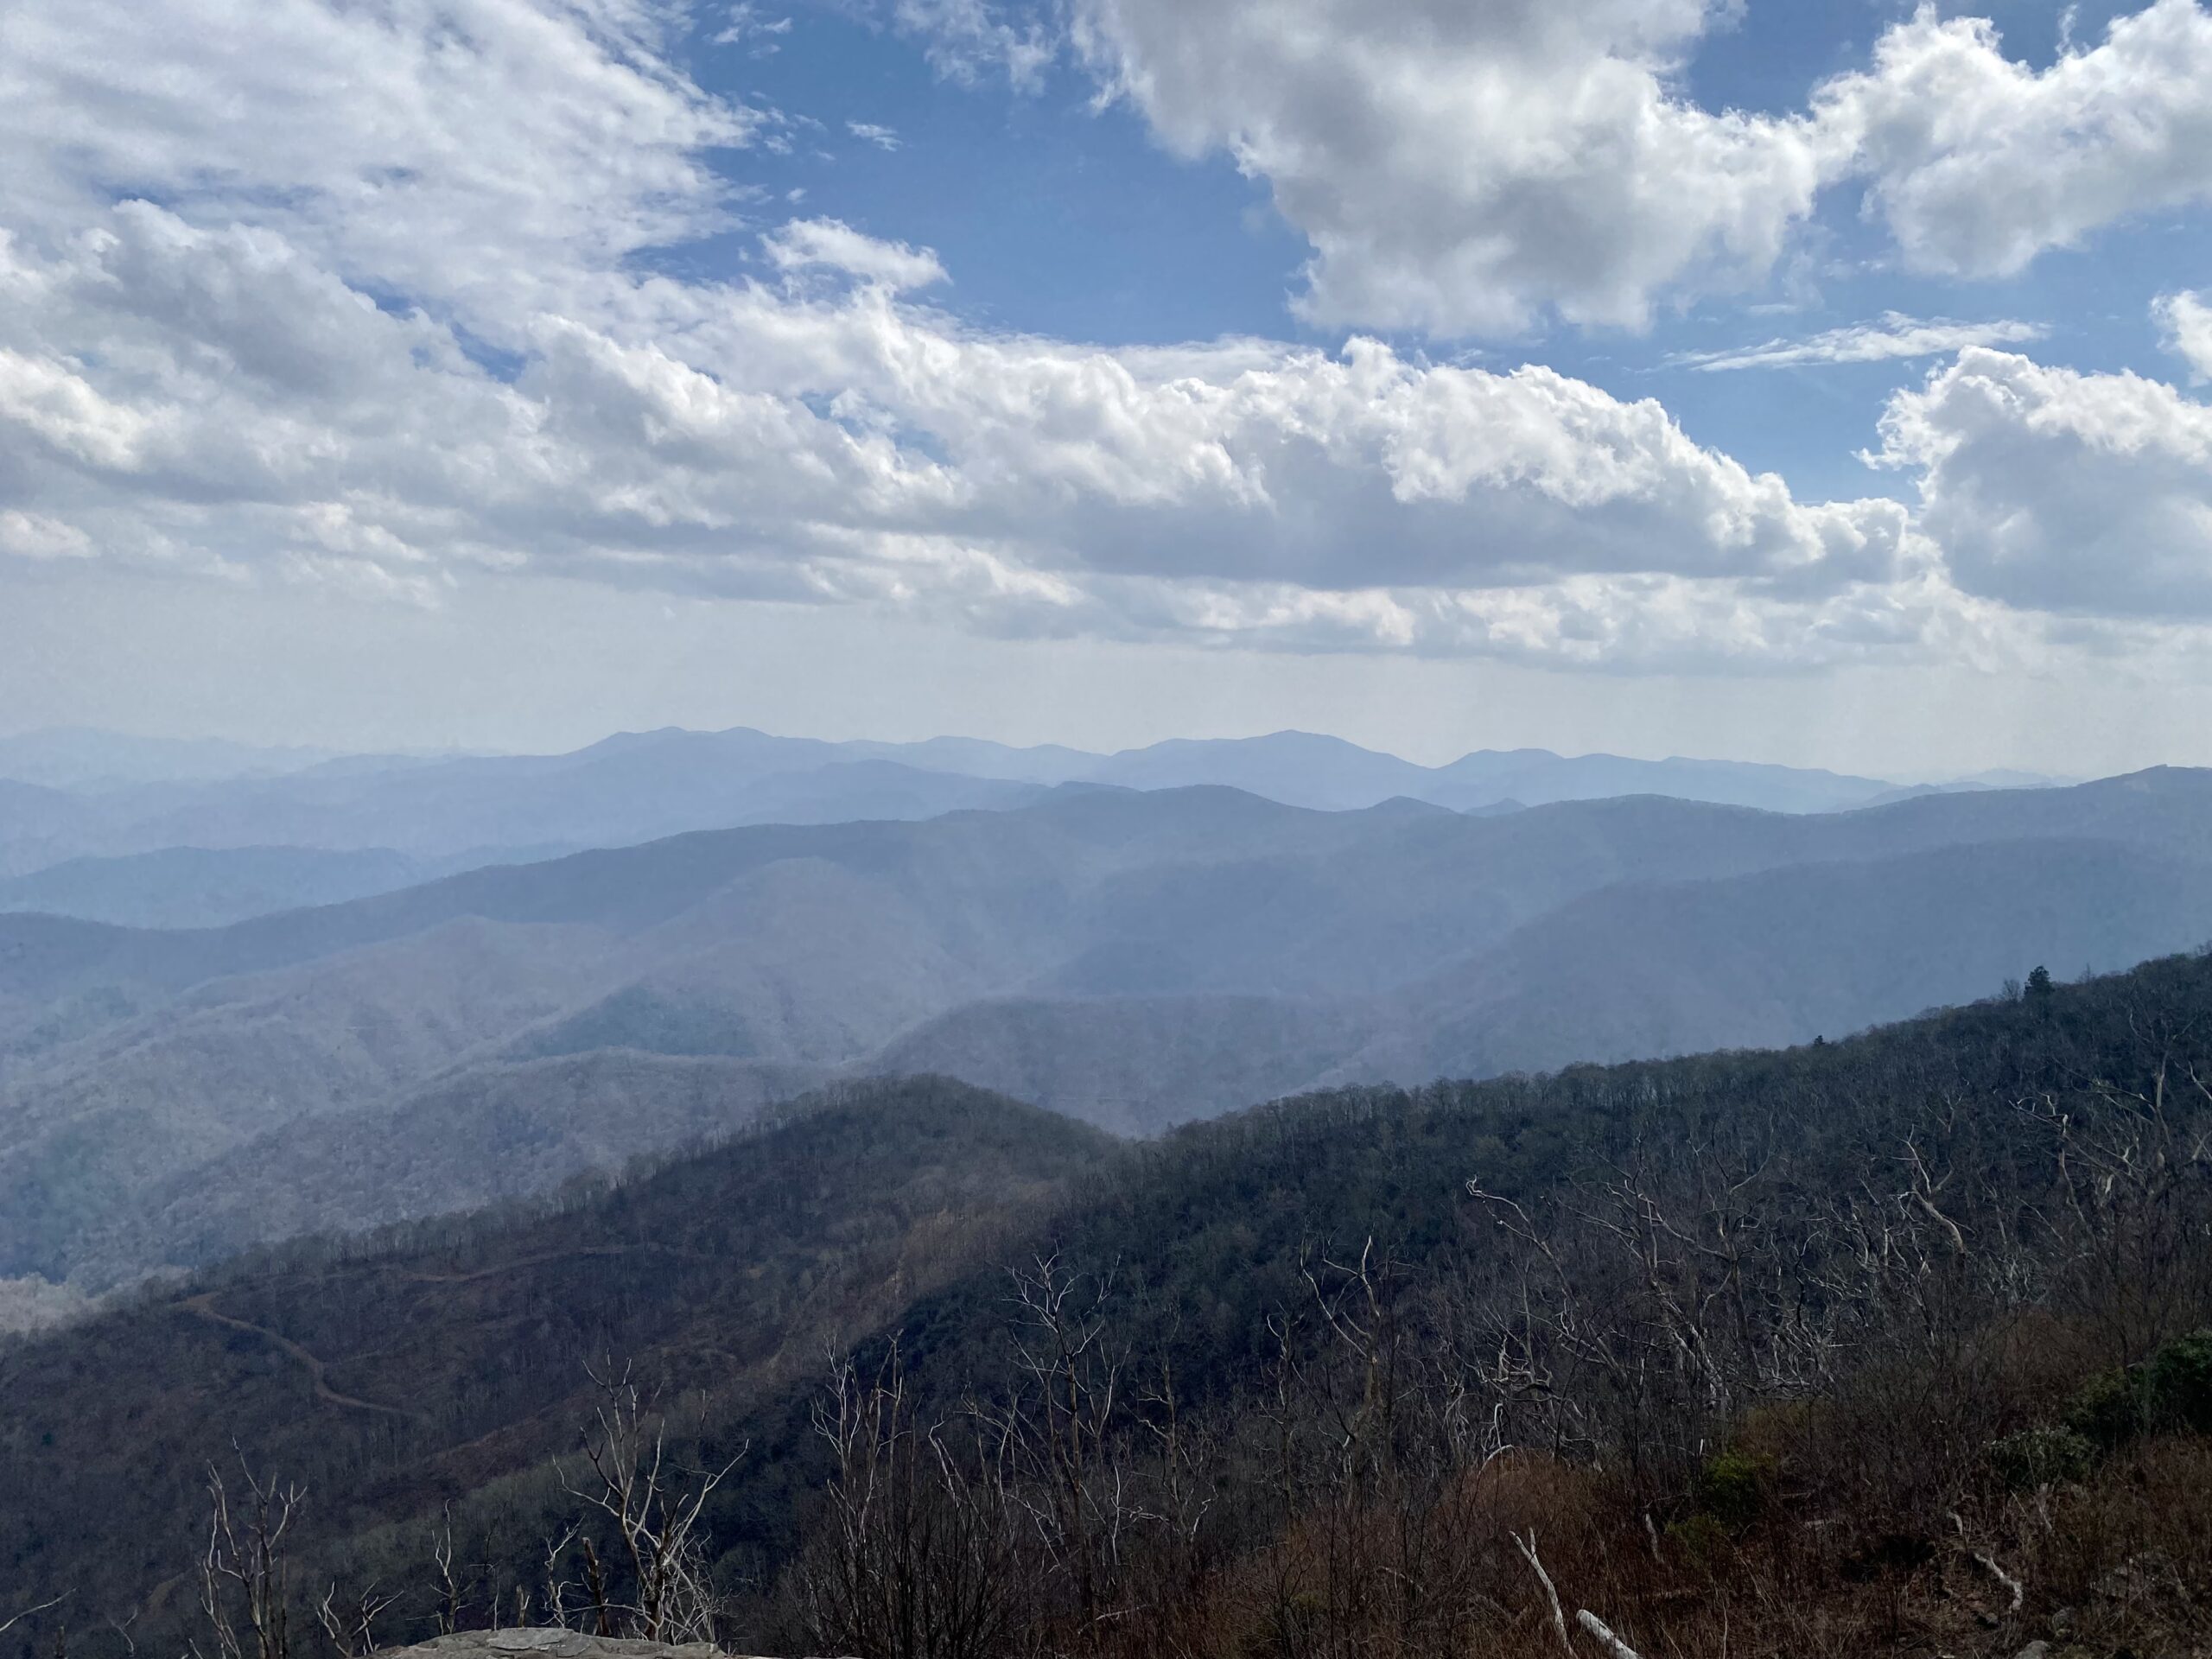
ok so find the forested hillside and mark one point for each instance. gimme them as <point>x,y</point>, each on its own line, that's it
<point>397,1376</point>
<point>1878,1345</point>
<point>1134,959</point>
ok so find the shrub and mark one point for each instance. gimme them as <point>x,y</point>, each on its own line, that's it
<point>1733,1488</point>
<point>1704,1539</point>
<point>2108,1411</point>
<point>2171,1389</point>
<point>1289,1627</point>
<point>2045,1456</point>
<point>2179,1381</point>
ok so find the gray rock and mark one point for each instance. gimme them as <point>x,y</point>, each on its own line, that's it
<point>547,1643</point>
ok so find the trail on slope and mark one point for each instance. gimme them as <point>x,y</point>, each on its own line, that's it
<point>204,1306</point>
<point>427,1276</point>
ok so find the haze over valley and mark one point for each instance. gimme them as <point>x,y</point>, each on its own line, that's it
<point>206,1047</point>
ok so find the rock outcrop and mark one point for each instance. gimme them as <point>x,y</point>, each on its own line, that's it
<point>547,1643</point>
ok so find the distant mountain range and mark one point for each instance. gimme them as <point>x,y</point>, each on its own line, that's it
<point>196,887</point>
<point>1133,958</point>
<point>94,802</point>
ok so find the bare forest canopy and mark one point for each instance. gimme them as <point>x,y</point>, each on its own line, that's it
<point>1886,1344</point>
<point>1134,959</point>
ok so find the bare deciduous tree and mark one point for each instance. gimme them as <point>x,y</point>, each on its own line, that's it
<point>655,1510</point>
<point>916,1556</point>
<point>351,1625</point>
<point>245,1587</point>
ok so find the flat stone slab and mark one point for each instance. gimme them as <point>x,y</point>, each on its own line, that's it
<point>548,1643</point>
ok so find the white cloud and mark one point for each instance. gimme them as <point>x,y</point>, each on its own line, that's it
<point>2050,490</point>
<point>1895,336</point>
<point>963,38</point>
<point>256,380</point>
<point>868,133</point>
<point>1465,168</point>
<point>832,245</point>
<point>1979,163</point>
<point>747,26</point>
<point>33,536</point>
<point>218,401</point>
<point>498,154</point>
<point>1461,167</point>
<point>2186,321</point>
<point>50,403</point>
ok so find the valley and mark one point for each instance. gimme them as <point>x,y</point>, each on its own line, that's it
<point>1135,959</point>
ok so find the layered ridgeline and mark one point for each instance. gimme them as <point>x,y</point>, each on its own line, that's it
<point>1826,1349</point>
<point>98,802</point>
<point>1133,959</point>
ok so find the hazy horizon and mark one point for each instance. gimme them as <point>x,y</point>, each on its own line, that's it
<point>323,751</point>
<point>244,665</point>
<point>1103,372</point>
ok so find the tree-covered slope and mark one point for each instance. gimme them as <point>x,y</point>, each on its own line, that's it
<point>1613,1271</point>
<point>1135,959</point>
<point>394,1376</point>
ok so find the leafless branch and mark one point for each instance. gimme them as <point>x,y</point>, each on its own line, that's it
<point>1528,1549</point>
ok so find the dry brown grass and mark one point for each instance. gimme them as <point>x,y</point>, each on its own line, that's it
<point>2121,1565</point>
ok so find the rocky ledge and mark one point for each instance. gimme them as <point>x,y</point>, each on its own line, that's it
<point>549,1644</point>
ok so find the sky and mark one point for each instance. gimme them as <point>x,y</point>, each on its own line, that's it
<point>1819,381</point>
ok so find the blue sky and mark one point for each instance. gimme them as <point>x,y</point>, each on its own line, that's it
<point>1060,217</point>
<point>1439,373</point>
<point>1056,217</point>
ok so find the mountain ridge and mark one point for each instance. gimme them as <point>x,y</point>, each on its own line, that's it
<point>633,787</point>
<point>1138,958</point>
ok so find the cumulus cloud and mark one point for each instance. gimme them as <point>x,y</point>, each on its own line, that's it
<point>498,153</point>
<point>2051,490</point>
<point>212,396</point>
<point>49,404</point>
<point>1460,167</point>
<point>1979,163</point>
<point>1895,336</point>
<point>2185,322</point>
<point>1471,169</point>
<point>242,373</point>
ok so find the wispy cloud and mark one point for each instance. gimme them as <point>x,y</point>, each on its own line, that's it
<point>1894,335</point>
<point>832,245</point>
<point>747,27</point>
<point>965,38</point>
<point>870,132</point>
